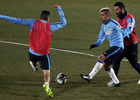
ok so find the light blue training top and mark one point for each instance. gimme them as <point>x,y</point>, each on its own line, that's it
<point>30,23</point>
<point>114,33</point>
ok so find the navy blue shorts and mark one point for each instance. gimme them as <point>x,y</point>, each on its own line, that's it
<point>43,60</point>
<point>112,54</point>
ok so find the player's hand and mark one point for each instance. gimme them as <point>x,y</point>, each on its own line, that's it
<point>56,6</point>
<point>92,46</point>
<point>126,38</point>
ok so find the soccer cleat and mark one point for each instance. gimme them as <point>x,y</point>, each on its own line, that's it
<point>139,82</point>
<point>114,85</point>
<point>48,90</point>
<point>86,77</point>
<point>109,83</point>
<point>34,68</point>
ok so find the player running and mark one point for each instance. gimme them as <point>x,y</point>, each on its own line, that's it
<point>128,22</point>
<point>40,38</point>
<point>113,31</point>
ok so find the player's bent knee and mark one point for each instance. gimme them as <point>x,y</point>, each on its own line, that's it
<point>101,58</point>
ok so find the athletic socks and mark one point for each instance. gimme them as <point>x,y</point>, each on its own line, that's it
<point>96,68</point>
<point>47,84</point>
<point>111,73</point>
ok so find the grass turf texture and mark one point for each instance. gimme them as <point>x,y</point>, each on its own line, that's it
<point>19,82</point>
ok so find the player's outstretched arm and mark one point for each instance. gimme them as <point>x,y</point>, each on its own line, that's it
<point>62,22</point>
<point>16,20</point>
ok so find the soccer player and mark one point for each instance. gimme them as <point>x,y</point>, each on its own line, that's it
<point>128,22</point>
<point>40,38</point>
<point>113,31</point>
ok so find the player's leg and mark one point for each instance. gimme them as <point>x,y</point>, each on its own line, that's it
<point>46,74</point>
<point>97,66</point>
<point>111,73</point>
<point>112,54</point>
<point>106,66</point>
<point>108,57</point>
<point>33,61</point>
<point>46,66</point>
<point>131,55</point>
<point>95,69</point>
<point>132,52</point>
<point>116,64</point>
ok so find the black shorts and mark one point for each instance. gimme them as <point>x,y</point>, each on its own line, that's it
<point>112,54</point>
<point>43,60</point>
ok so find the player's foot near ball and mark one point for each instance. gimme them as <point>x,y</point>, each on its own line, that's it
<point>48,90</point>
<point>85,77</point>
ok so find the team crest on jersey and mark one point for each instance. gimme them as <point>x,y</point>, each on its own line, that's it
<point>109,28</point>
<point>108,32</point>
<point>119,26</point>
<point>131,24</point>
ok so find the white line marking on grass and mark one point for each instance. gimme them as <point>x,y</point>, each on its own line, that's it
<point>15,43</point>
<point>69,51</point>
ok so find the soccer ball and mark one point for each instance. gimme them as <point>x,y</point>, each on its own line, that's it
<point>61,78</point>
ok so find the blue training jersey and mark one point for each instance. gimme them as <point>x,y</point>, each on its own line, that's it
<point>114,33</point>
<point>30,23</point>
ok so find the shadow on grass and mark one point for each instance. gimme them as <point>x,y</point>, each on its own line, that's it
<point>73,86</point>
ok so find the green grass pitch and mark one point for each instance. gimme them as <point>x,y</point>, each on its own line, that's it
<point>19,82</point>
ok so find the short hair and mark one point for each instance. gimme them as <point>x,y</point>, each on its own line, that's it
<point>107,10</point>
<point>45,14</point>
<point>120,4</point>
